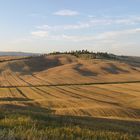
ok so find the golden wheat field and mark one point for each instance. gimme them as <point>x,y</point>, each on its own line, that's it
<point>37,80</point>
<point>64,69</point>
<point>66,86</point>
<point>110,101</point>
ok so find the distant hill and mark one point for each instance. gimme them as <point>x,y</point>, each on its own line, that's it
<point>18,54</point>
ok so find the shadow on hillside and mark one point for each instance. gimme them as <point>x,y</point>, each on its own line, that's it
<point>84,72</point>
<point>27,106</point>
<point>114,69</point>
<point>36,64</point>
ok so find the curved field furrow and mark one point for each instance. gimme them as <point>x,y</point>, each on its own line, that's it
<point>87,96</point>
<point>31,94</point>
<point>92,100</point>
<point>63,93</point>
<point>93,92</point>
<point>44,94</point>
<point>49,91</point>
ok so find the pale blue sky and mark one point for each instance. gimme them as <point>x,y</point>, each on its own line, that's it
<point>58,25</point>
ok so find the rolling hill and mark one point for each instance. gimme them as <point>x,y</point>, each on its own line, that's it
<point>65,69</point>
<point>53,96</point>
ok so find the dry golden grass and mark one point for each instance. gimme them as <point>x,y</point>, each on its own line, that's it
<point>45,70</point>
<point>111,100</point>
<point>29,94</point>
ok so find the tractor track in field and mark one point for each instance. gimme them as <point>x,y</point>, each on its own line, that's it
<point>76,84</point>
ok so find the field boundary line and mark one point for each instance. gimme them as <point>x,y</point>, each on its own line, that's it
<point>76,84</point>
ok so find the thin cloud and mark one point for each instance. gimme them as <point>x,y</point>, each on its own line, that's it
<point>66,12</point>
<point>93,22</point>
<point>104,37</point>
<point>40,34</point>
<point>116,34</point>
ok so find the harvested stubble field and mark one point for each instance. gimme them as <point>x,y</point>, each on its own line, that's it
<point>62,97</point>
